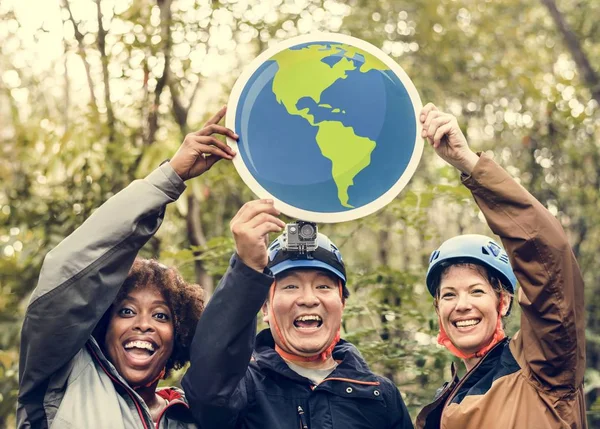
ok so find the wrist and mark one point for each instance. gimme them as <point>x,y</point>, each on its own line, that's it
<point>467,163</point>
<point>177,169</point>
<point>251,264</point>
<point>255,267</point>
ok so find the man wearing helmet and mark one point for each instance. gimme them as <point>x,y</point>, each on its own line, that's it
<point>534,379</point>
<point>298,373</point>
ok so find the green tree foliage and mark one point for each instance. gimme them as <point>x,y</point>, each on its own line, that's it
<point>96,93</point>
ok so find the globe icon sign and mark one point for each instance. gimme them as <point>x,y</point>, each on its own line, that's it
<point>328,127</point>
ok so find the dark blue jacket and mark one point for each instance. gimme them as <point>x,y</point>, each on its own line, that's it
<point>237,380</point>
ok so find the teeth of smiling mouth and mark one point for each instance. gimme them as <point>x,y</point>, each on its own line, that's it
<point>463,323</point>
<point>308,318</point>
<point>139,345</point>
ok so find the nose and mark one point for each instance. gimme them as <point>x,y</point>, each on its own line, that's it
<point>463,303</point>
<point>308,298</point>
<point>143,323</point>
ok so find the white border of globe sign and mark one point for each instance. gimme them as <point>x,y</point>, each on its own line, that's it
<point>326,217</point>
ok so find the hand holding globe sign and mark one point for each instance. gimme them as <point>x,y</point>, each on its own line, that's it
<point>328,127</point>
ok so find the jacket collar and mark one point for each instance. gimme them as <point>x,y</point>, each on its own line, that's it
<point>430,415</point>
<point>488,361</point>
<point>351,365</point>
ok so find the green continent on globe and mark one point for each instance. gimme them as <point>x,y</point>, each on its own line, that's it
<point>349,154</point>
<point>302,73</point>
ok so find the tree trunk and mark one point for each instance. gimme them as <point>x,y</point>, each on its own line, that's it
<point>198,239</point>
<point>588,74</point>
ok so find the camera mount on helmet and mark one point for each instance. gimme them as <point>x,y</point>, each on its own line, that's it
<point>300,237</point>
<point>302,246</point>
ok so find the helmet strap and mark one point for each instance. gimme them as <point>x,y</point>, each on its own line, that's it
<point>498,336</point>
<point>319,357</point>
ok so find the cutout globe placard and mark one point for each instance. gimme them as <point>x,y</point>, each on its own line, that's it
<point>328,127</point>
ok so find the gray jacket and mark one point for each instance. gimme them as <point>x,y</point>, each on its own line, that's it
<point>65,381</point>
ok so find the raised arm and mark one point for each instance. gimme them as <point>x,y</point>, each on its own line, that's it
<point>82,275</point>
<point>216,385</point>
<point>551,295</point>
<point>552,337</point>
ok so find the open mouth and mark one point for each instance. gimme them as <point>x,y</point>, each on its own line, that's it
<point>466,323</point>
<point>140,349</point>
<point>311,321</point>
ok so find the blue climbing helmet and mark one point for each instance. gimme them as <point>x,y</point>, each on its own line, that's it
<point>473,248</point>
<point>326,257</point>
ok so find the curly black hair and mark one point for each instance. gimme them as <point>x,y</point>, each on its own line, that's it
<point>185,300</point>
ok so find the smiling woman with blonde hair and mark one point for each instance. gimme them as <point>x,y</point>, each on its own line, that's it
<point>533,380</point>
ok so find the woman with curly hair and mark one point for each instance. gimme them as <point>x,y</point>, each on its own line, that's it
<point>129,340</point>
<point>103,327</point>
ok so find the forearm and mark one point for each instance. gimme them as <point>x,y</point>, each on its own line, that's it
<point>224,340</point>
<point>82,275</point>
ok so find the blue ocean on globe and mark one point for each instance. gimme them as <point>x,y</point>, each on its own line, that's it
<point>281,149</point>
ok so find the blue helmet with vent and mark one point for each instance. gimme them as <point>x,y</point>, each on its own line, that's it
<point>473,248</point>
<point>325,257</point>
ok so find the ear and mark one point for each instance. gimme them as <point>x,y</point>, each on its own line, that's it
<point>506,298</point>
<point>265,312</point>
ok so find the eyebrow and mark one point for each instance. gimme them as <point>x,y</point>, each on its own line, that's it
<point>296,278</point>
<point>155,302</point>
<point>472,285</point>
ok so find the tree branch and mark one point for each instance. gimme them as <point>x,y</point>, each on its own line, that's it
<point>589,75</point>
<point>153,114</point>
<point>198,239</point>
<point>104,60</point>
<point>193,97</point>
<point>165,23</point>
<point>82,54</point>
<point>180,112</point>
<point>67,94</point>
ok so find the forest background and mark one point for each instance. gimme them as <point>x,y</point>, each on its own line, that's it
<point>96,93</point>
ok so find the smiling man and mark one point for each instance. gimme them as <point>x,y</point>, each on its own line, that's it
<point>298,373</point>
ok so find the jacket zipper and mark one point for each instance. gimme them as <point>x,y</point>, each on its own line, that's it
<point>135,401</point>
<point>461,382</point>
<point>435,404</point>
<point>303,424</point>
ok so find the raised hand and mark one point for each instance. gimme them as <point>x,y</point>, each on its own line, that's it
<point>251,227</point>
<point>201,150</point>
<point>443,133</point>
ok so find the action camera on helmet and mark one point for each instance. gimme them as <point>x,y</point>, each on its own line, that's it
<point>300,237</point>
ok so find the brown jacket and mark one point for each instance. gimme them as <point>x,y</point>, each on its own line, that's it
<point>535,379</point>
